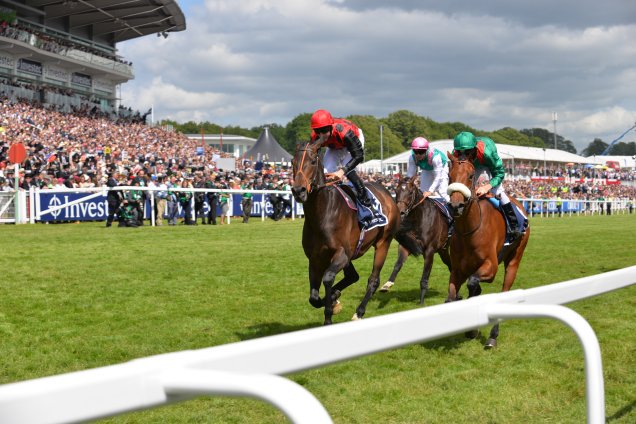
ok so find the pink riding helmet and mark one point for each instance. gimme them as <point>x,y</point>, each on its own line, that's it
<point>419,143</point>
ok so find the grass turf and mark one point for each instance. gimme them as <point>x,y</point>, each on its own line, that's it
<point>74,297</point>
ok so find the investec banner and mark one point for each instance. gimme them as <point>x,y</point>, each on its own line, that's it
<point>96,208</point>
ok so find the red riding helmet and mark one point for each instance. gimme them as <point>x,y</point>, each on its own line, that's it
<point>419,143</point>
<point>321,118</point>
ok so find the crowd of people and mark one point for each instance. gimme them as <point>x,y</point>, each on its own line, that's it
<point>51,43</point>
<point>79,150</point>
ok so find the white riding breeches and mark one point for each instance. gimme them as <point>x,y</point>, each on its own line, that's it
<point>438,187</point>
<point>483,176</point>
<point>337,158</point>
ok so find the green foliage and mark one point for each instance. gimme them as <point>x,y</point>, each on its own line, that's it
<point>547,139</point>
<point>623,149</point>
<point>400,128</point>
<point>297,130</point>
<point>596,147</point>
<point>83,296</point>
<point>370,126</point>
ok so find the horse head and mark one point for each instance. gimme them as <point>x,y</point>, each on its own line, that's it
<point>460,177</point>
<point>308,173</point>
<point>406,195</point>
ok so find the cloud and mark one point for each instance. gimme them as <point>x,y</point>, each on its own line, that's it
<point>489,64</point>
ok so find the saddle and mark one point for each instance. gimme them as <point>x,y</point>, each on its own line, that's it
<point>443,207</point>
<point>368,218</point>
<point>522,219</point>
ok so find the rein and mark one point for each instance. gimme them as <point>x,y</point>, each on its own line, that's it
<point>311,183</point>
<point>468,206</point>
<point>412,205</point>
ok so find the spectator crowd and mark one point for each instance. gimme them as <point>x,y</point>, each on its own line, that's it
<point>83,149</point>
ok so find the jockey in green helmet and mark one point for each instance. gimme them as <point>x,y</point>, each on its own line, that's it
<point>483,152</point>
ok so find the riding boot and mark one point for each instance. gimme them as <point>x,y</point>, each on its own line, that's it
<point>361,191</point>
<point>513,223</point>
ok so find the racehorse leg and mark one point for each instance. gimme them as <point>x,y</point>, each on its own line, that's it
<point>403,254</point>
<point>455,282</point>
<point>379,257</point>
<point>474,289</point>
<point>315,279</point>
<point>429,255</point>
<point>445,255</point>
<point>350,277</point>
<point>511,266</point>
<point>338,261</point>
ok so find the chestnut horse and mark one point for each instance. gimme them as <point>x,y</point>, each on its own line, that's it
<point>477,244</point>
<point>331,232</point>
<point>423,230</point>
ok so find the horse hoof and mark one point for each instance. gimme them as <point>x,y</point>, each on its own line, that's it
<point>336,308</point>
<point>355,317</point>
<point>387,286</point>
<point>490,344</point>
<point>472,334</point>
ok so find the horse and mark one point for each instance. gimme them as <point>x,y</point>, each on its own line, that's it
<point>332,237</point>
<point>477,245</point>
<point>423,230</point>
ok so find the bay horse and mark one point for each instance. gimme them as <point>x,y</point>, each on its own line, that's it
<point>423,230</point>
<point>477,244</point>
<point>331,232</point>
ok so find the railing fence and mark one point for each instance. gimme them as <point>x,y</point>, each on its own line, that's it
<point>250,368</point>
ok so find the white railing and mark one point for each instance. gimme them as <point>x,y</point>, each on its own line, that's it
<point>251,368</point>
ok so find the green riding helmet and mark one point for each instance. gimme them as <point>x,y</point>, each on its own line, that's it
<point>464,141</point>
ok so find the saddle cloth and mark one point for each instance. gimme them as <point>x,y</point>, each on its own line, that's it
<point>522,219</point>
<point>368,218</point>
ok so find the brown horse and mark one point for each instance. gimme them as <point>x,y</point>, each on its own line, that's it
<point>477,243</point>
<point>423,230</point>
<point>331,232</point>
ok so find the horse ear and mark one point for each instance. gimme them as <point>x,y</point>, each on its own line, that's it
<point>450,156</point>
<point>413,179</point>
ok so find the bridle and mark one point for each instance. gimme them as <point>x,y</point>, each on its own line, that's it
<point>413,201</point>
<point>311,184</point>
<point>469,204</point>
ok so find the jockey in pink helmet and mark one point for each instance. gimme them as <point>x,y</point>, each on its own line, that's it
<point>433,165</point>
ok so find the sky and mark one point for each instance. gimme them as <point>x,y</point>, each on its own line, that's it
<point>489,64</point>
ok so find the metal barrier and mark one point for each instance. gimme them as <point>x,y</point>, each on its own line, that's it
<point>250,368</point>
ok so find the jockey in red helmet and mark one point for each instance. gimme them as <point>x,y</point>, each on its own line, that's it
<point>433,165</point>
<point>345,149</point>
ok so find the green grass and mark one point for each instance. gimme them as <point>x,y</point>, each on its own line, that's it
<point>74,297</point>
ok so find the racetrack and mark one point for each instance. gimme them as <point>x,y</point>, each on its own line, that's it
<point>81,296</point>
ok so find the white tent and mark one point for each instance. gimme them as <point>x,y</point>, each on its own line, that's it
<point>514,156</point>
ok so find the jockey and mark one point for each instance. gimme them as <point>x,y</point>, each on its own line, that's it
<point>434,166</point>
<point>345,149</point>
<point>483,152</point>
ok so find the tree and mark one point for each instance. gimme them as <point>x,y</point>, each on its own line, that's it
<point>623,149</point>
<point>596,147</point>
<point>297,130</point>
<point>370,127</point>
<point>547,138</point>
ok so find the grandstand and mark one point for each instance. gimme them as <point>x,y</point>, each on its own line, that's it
<point>63,53</point>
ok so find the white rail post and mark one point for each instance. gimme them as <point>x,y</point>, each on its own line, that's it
<point>595,391</point>
<point>296,402</point>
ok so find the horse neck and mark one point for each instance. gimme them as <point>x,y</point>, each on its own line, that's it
<point>471,218</point>
<point>316,207</point>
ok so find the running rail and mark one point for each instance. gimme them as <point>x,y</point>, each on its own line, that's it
<point>251,368</point>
